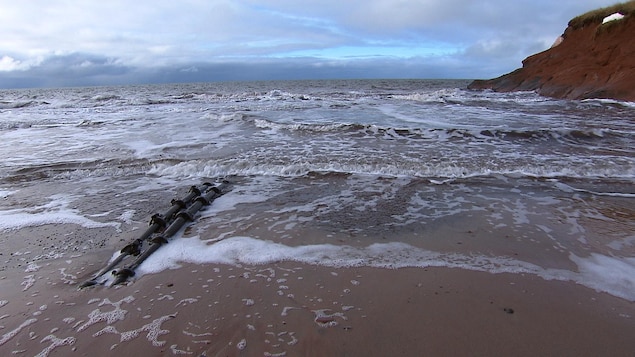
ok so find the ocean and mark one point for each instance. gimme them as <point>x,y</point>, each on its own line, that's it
<point>389,173</point>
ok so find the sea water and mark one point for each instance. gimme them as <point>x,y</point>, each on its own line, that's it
<point>381,173</point>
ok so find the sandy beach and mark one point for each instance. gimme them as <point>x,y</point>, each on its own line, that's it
<point>294,309</point>
<point>284,292</point>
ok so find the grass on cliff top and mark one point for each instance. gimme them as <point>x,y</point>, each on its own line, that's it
<point>596,16</point>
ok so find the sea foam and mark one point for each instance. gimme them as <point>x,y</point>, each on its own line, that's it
<point>55,212</point>
<point>602,273</point>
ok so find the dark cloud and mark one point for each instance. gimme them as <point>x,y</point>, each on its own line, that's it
<point>74,69</point>
<point>85,70</point>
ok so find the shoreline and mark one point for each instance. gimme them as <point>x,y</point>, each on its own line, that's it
<point>335,186</point>
<point>259,289</point>
<point>290,308</point>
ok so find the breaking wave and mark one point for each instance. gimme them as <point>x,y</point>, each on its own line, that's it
<point>440,133</point>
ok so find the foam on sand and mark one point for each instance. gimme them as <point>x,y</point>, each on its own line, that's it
<point>602,273</point>
<point>55,212</point>
<point>615,276</point>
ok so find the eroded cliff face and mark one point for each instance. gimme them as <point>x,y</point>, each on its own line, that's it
<point>593,61</point>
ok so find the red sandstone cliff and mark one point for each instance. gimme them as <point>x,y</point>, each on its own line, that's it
<point>593,60</point>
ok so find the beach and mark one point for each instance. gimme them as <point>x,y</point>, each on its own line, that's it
<point>228,285</point>
<point>293,309</point>
<point>359,218</point>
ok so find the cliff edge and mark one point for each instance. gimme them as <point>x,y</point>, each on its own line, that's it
<point>594,58</point>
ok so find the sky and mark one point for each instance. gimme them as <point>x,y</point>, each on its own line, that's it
<point>55,43</point>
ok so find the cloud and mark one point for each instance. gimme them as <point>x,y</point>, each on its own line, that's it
<point>72,69</point>
<point>117,41</point>
<point>10,64</point>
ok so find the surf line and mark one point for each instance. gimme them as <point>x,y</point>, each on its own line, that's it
<point>162,227</point>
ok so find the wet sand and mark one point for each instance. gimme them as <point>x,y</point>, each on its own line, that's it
<point>289,308</point>
<point>294,309</point>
